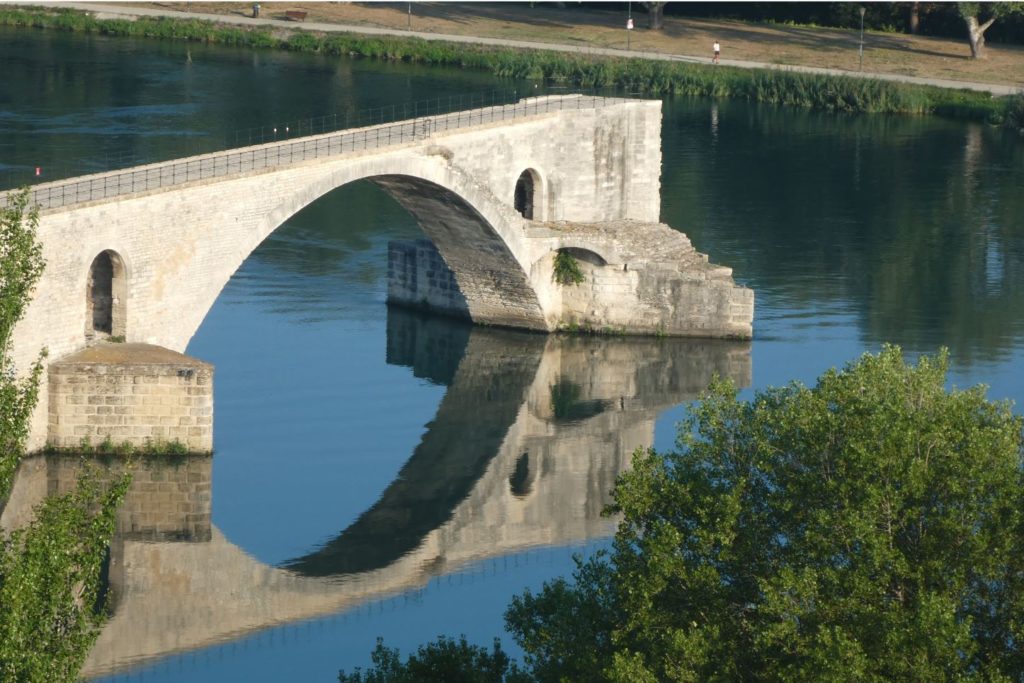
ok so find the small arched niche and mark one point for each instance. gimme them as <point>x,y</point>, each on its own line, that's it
<point>527,194</point>
<point>585,255</point>
<point>105,296</point>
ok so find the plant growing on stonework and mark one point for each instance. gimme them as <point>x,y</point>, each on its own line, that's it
<point>566,269</point>
<point>50,571</point>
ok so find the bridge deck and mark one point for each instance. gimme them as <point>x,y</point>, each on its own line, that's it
<point>111,184</point>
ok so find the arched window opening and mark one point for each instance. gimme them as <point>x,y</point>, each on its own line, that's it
<point>586,256</point>
<point>105,297</point>
<point>525,193</point>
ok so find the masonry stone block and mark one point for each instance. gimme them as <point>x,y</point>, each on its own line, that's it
<point>113,409</point>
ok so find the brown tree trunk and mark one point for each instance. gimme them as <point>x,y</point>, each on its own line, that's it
<point>976,36</point>
<point>655,15</point>
<point>915,18</point>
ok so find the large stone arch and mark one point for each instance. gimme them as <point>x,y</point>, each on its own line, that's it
<point>481,239</point>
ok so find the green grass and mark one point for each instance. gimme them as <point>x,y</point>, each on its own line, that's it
<point>830,93</point>
<point>125,449</point>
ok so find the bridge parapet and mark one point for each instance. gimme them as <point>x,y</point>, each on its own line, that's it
<point>274,155</point>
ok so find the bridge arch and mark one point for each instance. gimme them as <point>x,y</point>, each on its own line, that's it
<point>480,238</point>
<point>106,296</point>
<point>588,256</point>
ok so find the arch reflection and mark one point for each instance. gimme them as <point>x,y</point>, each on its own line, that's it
<point>522,452</point>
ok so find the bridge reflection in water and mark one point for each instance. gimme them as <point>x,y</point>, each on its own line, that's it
<point>523,451</point>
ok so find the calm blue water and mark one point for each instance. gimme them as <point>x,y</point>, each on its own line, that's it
<point>853,231</point>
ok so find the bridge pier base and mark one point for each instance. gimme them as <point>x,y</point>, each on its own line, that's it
<point>641,278</point>
<point>135,395</point>
<point>638,279</point>
<point>418,277</point>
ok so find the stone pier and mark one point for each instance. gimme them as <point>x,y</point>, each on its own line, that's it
<point>135,394</point>
<point>638,278</point>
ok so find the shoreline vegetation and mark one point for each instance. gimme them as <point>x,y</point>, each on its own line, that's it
<point>123,449</point>
<point>658,78</point>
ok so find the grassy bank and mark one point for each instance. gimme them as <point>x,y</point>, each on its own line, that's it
<point>831,93</point>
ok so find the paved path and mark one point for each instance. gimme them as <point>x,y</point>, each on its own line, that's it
<point>121,11</point>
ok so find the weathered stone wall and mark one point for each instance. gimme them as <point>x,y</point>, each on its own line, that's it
<point>418,276</point>
<point>134,393</point>
<point>664,300</point>
<point>671,291</point>
<point>640,278</point>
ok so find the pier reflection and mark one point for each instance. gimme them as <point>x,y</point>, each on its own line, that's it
<point>523,451</point>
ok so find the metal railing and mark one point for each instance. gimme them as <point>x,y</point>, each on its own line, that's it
<point>197,144</point>
<point>282,153</point>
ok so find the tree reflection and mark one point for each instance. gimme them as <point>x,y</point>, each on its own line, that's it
<point>917,224</point>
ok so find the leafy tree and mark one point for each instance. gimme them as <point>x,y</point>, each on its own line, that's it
<point>979,16</point>
<point>50,571</point>
<point>869,528</point>
<point>444,660</point>
<point>21,265</point>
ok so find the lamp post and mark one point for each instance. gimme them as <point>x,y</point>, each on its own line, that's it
<point>629,21</point>
<point>862,10</point>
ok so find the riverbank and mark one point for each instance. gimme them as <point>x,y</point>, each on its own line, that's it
<point>828,91</point>
<point>600,29</point>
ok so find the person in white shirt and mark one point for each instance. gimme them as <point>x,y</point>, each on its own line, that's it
<point>718,50</point>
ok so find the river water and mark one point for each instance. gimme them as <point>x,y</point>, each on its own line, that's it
<point>380,473</point>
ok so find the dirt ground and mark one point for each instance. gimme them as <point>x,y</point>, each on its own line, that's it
<point>890,53</point>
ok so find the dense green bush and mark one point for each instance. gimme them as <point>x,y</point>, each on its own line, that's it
<point>869,528</point>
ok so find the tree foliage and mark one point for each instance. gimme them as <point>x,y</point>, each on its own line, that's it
<point>868,528</point>
<point>21,265</point>
<point>51,584</point>
<point>50,571</point>
<point>443,660</point>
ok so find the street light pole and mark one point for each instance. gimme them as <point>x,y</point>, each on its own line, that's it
<point>862,10</point>
<point>629,21</point>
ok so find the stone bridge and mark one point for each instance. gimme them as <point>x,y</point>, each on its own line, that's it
<point>142,254</point>
<point>570,413</point>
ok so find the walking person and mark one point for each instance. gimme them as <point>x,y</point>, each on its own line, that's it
<point>717,49</point>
